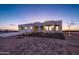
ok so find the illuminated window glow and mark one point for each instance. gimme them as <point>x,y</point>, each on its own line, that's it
<point>51,27</point>
<point>46,27</point>
<point>57,28</point>
<point>31,27</point>
<point>26,28</point>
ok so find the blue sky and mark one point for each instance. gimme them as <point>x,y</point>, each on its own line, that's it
<point>20,14</point>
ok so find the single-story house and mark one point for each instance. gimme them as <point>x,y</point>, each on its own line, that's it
<point>46,27</point>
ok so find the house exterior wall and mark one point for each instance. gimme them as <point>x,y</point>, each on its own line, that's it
<point>46,27</point>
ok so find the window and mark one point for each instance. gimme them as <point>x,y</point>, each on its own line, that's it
<point>31,27</point>
<point>51,27</point>
<point>26,28</point>
<point>57,28</point>
<point>46,27</point>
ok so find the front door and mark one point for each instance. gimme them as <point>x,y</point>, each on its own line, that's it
<point>35,28</point>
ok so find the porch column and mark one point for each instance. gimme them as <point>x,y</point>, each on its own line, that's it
<point>48,29</point>
<point>39,29</point>
<point>60,28</point>
<point>54,28</point>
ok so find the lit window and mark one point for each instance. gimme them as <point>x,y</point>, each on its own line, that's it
<point>26,28</point>
<point>31,27</point>
<point>57,28</point>
<point>46,27</point>
<point>51,27</point>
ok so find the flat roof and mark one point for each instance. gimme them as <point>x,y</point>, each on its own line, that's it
<point>40,24</point>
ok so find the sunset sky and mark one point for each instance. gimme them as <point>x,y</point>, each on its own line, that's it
<point>12,15</point>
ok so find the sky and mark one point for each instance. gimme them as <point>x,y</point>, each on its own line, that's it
<point>12,15</point>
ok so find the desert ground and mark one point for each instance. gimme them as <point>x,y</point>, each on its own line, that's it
<point>38,45</point>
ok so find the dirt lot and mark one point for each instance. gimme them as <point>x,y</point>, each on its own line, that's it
<point>32,45</point>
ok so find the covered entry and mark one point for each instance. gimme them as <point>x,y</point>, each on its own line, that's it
<point>35,28</point>
<point>38,28</point>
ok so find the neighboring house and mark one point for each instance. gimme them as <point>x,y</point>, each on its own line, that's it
<point>46,27</point>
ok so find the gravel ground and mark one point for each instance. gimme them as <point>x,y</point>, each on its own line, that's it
<point>24,45</point>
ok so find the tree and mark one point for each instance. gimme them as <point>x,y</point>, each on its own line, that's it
<point>70,23</point>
